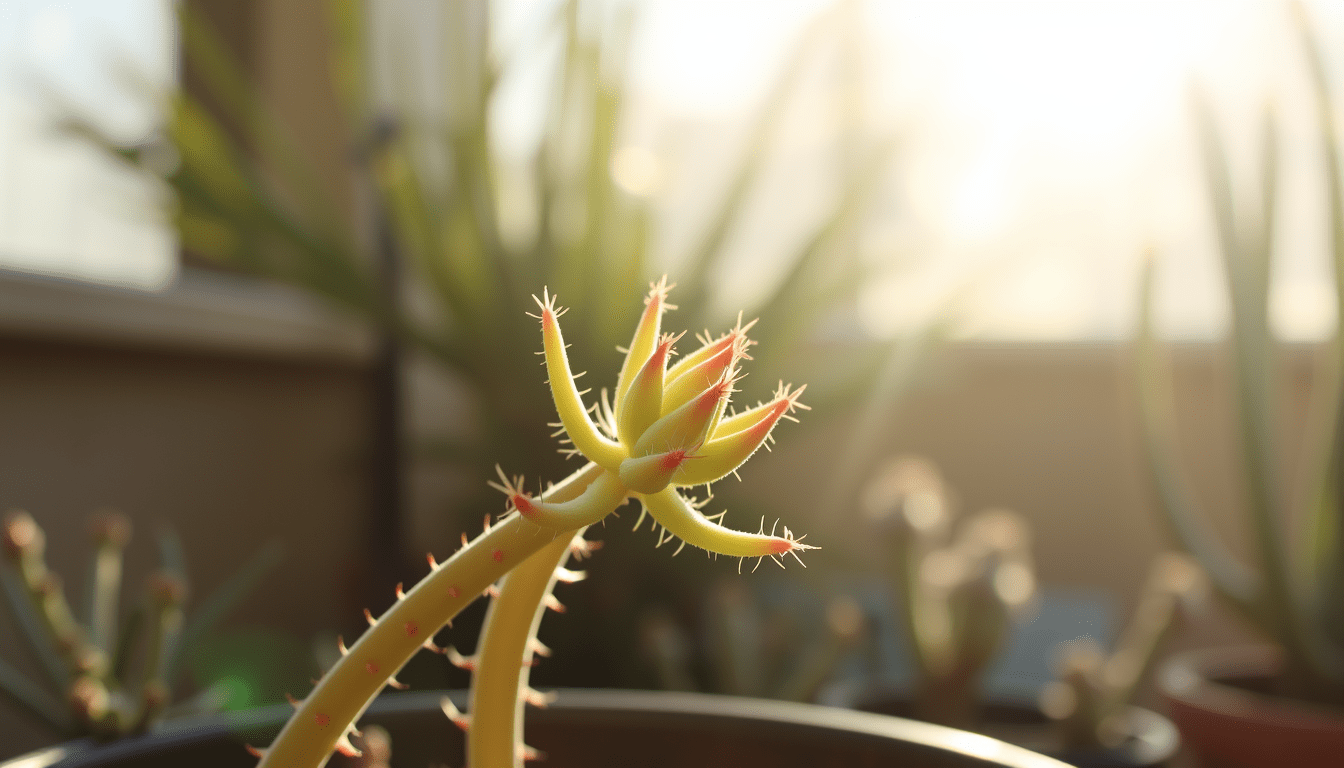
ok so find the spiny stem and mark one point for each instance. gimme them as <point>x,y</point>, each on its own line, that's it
<point>503,658</point>
<point>323,718</point>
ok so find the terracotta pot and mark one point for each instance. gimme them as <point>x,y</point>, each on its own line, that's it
<point>593,728</point>
<point>1151,739</point>
<point>1216,698</point>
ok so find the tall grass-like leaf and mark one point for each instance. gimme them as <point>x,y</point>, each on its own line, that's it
<point>240,98</point>
<point>221,602</point>
<point>1231,577</point>
<point>704,256</point>
<point>1245,236</point>
<point>1324,546</point>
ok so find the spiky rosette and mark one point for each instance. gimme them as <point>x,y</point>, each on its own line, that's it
<point>667,427</point>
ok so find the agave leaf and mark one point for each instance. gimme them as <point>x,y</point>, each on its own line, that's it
<point>1232,578</point>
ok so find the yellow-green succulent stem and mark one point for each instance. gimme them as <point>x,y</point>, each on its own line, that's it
<point>643,401</point>
<point>342,695</point>
<point>603,494</point>
<point>651,474</point>
<point>504,655</point>
<point>722,455</point>
<point>688,425</point>
<point>697,379</point>
<point>676,514</point>
<point>569,404</point>
<point>641,346</point>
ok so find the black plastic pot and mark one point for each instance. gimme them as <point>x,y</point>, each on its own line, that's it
<point>1151,740</point>
<point>590,728</point>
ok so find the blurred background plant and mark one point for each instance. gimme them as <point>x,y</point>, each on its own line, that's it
<point>763,639</point>
<point>1094,689</point>
<point>448,238</point>
<point>113,675</point>
<point>430,255</point>
<point>1296,594</point>
<point>956,596</point>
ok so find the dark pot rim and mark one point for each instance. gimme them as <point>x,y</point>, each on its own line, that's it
<point>1193,678</point>
<point>1152,738</point>
<point>578,705</point>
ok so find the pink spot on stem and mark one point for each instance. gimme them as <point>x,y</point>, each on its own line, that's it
<point>411,628</point>
<point>498,555</point>
<point>525,507</point>
<point>371,668</point>
<point>322,720</point>
<point>780,546</point>
<point>453,591</point>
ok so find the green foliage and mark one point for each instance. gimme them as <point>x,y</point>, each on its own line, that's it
<point>113,675</point>
<point>246,199</point>
<point>1296,595</point>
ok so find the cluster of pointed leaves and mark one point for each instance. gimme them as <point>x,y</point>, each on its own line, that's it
<point>666,426</point>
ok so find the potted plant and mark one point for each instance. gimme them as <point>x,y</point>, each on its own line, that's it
<point>956,599</point>
<point>99,673</point>
<point>1281,704</point>
<point>665,428</point>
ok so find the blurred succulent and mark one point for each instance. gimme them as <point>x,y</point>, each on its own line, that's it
<point>780,651</point>
<point>113,677</point>
<point>1092,691</point>
<point>246,200</point>
<point>1296,595</point>
<point>958,596</point>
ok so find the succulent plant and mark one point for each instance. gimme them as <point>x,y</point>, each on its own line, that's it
<point>664,428</point>
<point>1294,590</point>
<point>957,597</point>
<point>1092,690</point>
<point>114,677</point>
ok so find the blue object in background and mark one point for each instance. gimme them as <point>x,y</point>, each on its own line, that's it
<point>1025,664</point>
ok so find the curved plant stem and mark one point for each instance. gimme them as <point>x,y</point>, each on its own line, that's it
<point>323,719</point>
<point>499,686</point>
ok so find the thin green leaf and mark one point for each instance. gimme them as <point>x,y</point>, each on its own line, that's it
<point>1233,579</point>
<point>126,643</point>
<point>33,628</point>
<point>222,601</point>
<point>30,696</point>
<point>241,100</point>
<point>694,283</point>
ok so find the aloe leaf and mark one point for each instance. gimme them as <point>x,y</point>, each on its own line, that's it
<point>1232,578</point>
<point>1324,545</point>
